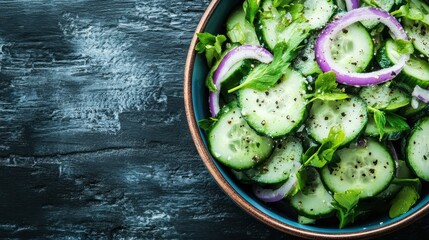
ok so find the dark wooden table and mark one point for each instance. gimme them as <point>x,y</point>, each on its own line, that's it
<point>93,138</point>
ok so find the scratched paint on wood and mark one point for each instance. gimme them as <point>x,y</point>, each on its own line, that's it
<point>93,139</point>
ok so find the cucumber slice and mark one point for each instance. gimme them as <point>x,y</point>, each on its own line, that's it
<point>416,70</point>
<point>352,48</point>
<point>234,143</point>
<point>272,29</point>
<point>313,200</point>
<point>266,24</point>
<point>277,111</point>
<point>350,114</point>
<point>369,169</point>
<point>234,77</point>
<point>238,29</point>
<point>385,96</point>
<point>417,149</point>
<point>280,164</point>
<point>412,110</point>
<point>318,12</point>
<point>306,63</point>
<point>419,33</point>
<point>403,172</point>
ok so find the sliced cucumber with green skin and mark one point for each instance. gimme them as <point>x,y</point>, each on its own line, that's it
<point>368,168</point>
<point>352,48</point>
<point>306,63</point>
<point>318,12</point>
<point>417,149</point>
<point>234,77</point>
<point>313,200</point>
<point>279,166</point>
<point>234,143</point>
<point>350,114</point>
<point>277,111</point>
<point>385,96</point>
<point>419,34</point>
<point>238,29</point>
<point>411,111</point>
<point>271,27</point>
<point>415,71</point>
<point>403,172</point>
<point>266,25</point>
<point>390,133</point>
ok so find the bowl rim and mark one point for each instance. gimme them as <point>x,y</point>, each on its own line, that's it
<point>229,190</point>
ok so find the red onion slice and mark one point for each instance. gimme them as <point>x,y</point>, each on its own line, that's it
<point>395,157</point>
<point>231,58</point>
<point>275,195</point>
<point>421,94</point>
<point>324,41</point>
<point>352,4</point>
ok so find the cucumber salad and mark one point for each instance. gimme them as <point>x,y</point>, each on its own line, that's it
<point>323,105</point>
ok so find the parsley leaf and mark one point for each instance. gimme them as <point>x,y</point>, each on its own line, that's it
<point>326,88</point>
<point>326,82</point>
<point>264,76</point>
<point>404,46</point>
<point>301,176</point>
<point>380,120</point>
<point>396,121</point>
<point>389,120</point>
<point>414,10</point>
<point>324,154</point>
<point>251,8</point>
<point>348,200</point>
<point>346,203</point>
<point>289,17</point>
<point>206,124</point>
<point>281,3</point>
<point>210,45</point>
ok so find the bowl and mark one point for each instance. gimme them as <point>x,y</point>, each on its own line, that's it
<point>196,106</point>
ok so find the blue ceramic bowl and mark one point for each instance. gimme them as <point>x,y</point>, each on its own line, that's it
<point>196,105</point>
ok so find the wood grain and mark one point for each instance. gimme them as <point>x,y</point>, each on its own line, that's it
<point>93,138</point>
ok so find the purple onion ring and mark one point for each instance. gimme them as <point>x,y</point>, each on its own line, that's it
<point>352,4</point>
<point>324,41</point>
<point>231,58</point>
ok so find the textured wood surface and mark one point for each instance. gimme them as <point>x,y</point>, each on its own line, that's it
<point>93,138</point>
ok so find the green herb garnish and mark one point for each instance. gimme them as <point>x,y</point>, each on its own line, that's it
<point>211,45</point>
<point>326,88</point>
